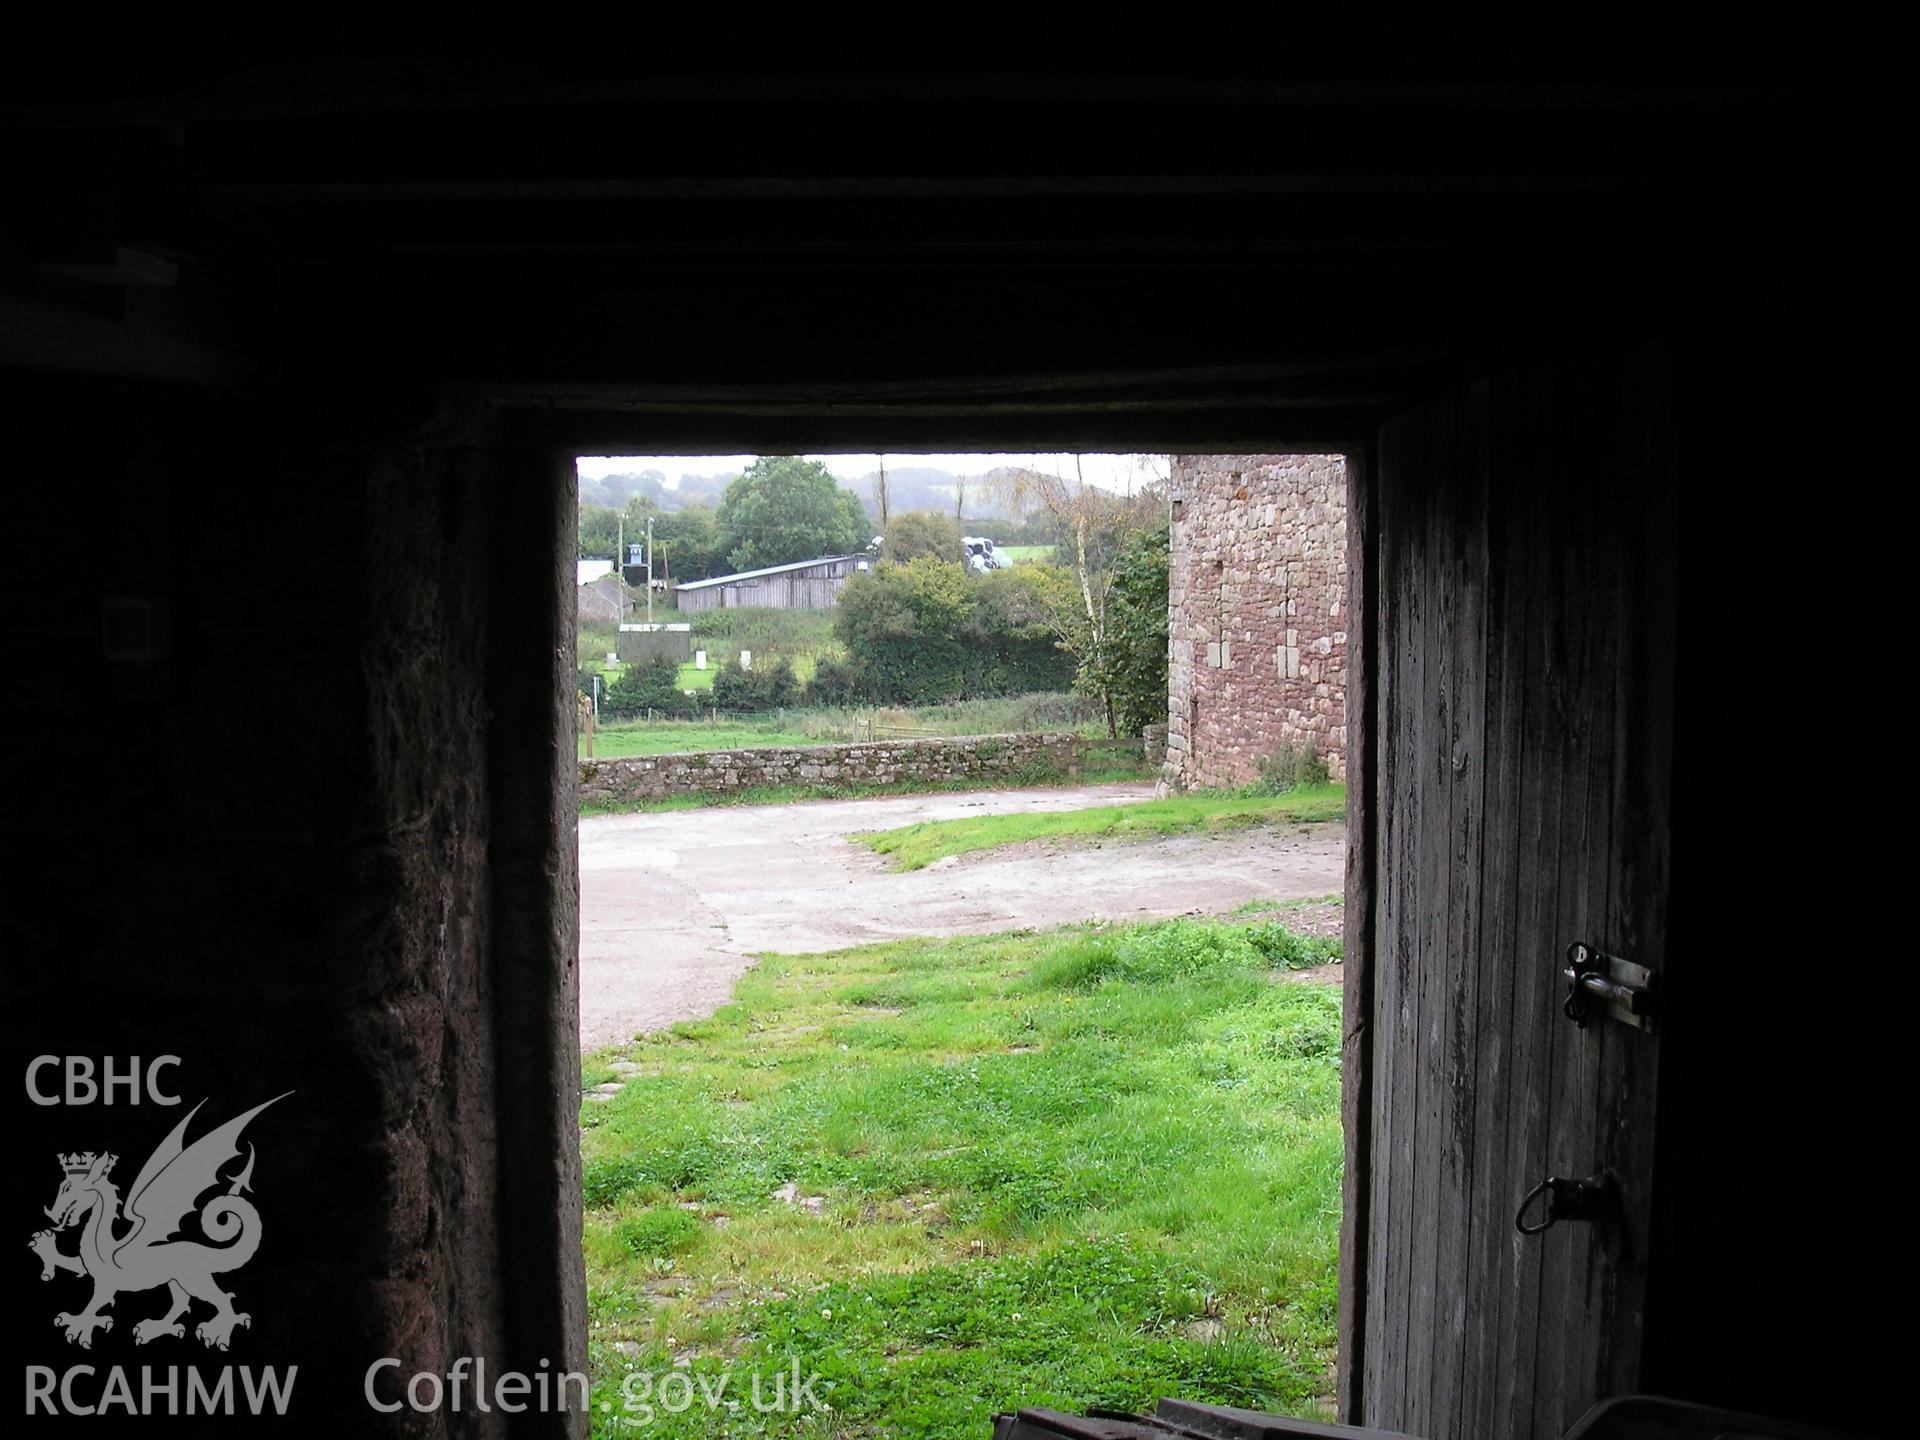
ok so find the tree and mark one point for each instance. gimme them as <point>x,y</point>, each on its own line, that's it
<point>613,491</point>
<point>1095,527</point>
<point>784,508</point>
<point>687,544</point>
<point>599,532</point>
<point>922,532</point>
<point>1128,670</point>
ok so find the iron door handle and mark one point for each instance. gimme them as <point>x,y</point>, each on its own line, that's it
<point>1591,1201</point>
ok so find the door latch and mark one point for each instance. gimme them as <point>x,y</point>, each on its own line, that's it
<point>1591,1201</point>
<point>1626,989</point>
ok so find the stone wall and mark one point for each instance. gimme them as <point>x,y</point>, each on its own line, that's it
<point>332,860</point>
<point>878,762</point>
<point>1258,593</point>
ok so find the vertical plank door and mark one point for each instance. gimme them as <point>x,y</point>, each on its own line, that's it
<point>1521,595</point>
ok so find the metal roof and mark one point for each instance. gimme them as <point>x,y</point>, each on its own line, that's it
<point>770,570</point>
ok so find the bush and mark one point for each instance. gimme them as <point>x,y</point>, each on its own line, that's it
<point>835,682</point>
<point>926,632</point>
<point>770,687</point>
<point>922,532</point>
<point>1013,636</point>
<point>1290,767</point>
<point>649,685</point>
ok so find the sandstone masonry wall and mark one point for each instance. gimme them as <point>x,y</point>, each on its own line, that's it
<point>878,762</point>
<point>1258,591</point>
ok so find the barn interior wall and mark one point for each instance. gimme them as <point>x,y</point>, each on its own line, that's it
<point>1780,1117</point>
<point>310,846</point>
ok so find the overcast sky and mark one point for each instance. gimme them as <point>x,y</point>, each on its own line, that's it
<point>1112,472</point>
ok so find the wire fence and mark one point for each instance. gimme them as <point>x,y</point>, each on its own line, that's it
<point>871,729</point>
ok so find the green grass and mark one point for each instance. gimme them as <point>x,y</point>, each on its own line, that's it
<point>594,641</point>
<point>681,737</point>
<point>1082,1168</point>
<point>802,637</point>
<point>1021,554</point>
<point>1106,761</point>
<point>827,725</point>
<point>1000,715</point>
<point>913,846</point>
<point>1261,907</point>
<point>759,627</point>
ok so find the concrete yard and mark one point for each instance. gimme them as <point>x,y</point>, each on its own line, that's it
<point>674,904</point>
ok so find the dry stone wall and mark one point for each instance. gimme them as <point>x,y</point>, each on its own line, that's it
<point>1258,598</point>
<point>1014,758</point>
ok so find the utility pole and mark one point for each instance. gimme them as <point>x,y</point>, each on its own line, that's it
<point>880,494</point>
<point>649,569</point>
<point>620,574</point>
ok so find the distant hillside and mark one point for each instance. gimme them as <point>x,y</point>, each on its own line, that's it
<point>614,491</point>
<point>911,487</point>
<point>920,487</point>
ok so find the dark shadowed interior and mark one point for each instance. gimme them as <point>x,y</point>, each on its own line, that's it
<point>1615,330</point>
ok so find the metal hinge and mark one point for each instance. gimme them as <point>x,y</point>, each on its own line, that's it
<point>1626,989</point>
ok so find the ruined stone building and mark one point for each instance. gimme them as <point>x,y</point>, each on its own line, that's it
<point>1257,588</point>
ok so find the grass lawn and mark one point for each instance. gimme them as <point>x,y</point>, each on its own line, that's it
<point>827,725</point>
<point>1262,907</point>
<point>679,736</point>
<point>913,846</point>
<point>1019,554</point>
<point>1081,1168</point>
<point>802,637</point>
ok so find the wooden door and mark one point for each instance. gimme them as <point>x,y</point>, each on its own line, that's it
<point>1520,586</point>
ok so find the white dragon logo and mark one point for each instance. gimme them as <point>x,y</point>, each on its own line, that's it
<point>146,1256</point>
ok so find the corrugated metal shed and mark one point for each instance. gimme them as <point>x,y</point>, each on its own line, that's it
<point>800,585</point>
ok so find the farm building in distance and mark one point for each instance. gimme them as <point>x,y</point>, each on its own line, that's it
<point>801,585</point>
